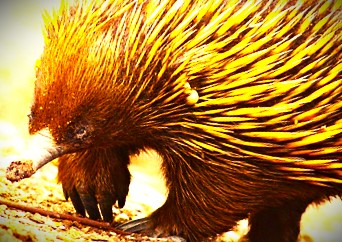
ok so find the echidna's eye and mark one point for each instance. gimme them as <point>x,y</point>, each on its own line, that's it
<point>80,133</point>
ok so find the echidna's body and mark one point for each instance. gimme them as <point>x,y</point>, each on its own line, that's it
<point>262,141</point>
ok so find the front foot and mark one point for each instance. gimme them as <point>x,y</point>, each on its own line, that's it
<point>84,199</point>
<point>95,180</point>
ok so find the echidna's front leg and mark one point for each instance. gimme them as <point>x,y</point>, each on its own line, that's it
<point>95,177</point>
<point>281,224</point>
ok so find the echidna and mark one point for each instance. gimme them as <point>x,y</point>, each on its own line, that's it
<point>241,99</point>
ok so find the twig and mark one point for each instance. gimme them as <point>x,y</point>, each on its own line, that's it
<point>84,221</point>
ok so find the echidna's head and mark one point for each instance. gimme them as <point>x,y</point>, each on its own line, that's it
<point>75,93</point>
<point>86,90</point>
<point>77,97</point>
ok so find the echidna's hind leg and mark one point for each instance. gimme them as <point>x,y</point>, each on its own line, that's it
<point>281,224</point>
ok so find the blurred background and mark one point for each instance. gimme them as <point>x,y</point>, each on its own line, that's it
<point>21,43</point>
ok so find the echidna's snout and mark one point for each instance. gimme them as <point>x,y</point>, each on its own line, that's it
<point>41,150</point>
<point>44,149</point>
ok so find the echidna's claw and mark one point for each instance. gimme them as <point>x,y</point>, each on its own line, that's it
<point>145,226</point>
<point>84,201</point>
<point>76,200</point>
<point>136,226</point>
<point>90,204</point>
<point>106,209</point>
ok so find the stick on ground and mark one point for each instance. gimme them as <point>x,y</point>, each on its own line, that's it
<point>51,214</point>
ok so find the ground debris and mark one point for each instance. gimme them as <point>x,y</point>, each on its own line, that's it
<point>43,192</point>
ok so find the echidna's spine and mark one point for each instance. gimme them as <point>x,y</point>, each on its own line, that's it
<point>270,86</point>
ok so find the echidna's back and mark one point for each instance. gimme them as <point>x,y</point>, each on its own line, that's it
<point>269,81</point>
